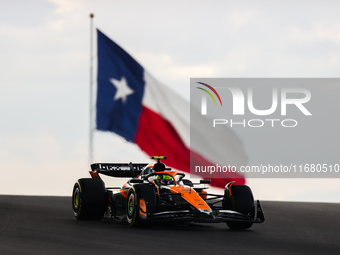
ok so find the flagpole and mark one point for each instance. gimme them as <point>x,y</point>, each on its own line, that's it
<point>91,92</point>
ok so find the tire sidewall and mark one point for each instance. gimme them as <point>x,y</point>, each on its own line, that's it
<point>132,207</point>
<point>77,200</point>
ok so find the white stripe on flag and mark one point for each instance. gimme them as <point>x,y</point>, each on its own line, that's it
<point>221,146</point>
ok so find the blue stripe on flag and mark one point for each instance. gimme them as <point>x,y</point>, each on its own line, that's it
<point>118,111</point>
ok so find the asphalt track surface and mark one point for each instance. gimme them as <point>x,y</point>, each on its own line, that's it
<point>46,225</point>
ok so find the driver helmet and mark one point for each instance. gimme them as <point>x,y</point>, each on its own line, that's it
<point>164,179</point>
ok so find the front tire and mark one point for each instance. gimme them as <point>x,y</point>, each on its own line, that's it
<point>136,193</point>
<point>89,199</point>
<point>132,208</point>
<point>243,202</point>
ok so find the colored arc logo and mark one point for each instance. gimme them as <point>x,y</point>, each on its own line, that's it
<point>210,93</point>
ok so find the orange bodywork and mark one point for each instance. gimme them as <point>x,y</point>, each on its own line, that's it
<point>124,192</point>
<point>203,192</point>
<point>94,174</point>
<point>142,207</point>
<point>189,194</point>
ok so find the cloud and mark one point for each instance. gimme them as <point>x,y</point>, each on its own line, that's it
<point>319,33</point>
<point>65,7</point>
<point>169,66</point>
<point>31,148</point>
<point>240,19</point>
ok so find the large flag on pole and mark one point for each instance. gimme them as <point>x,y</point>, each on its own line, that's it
<point>132,104</point>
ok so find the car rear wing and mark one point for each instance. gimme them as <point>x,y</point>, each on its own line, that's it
<point>119,169</point>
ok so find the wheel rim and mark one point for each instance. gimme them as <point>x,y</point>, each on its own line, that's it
<point>131,205</point>
<point>76,198</point>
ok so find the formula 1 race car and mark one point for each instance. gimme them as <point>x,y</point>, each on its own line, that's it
<point>157,193</point>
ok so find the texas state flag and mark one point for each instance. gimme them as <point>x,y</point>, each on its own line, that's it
<point>132,104</point>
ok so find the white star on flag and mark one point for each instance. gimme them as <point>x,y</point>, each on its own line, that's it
<point>123,90</point>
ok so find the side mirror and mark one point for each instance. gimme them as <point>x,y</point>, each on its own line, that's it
<point>205,181</point>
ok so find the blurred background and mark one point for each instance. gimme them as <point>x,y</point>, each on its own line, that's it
<point>44,82</point>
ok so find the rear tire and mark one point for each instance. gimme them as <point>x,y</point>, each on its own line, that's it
<point>243,202</point>
<point>89,200</point>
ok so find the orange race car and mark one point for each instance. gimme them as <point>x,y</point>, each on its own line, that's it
<point>157,193</point>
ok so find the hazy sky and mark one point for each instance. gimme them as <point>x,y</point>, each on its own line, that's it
<point>44,83</point>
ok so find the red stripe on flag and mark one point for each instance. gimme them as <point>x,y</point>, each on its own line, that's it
<point>157,137</point>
